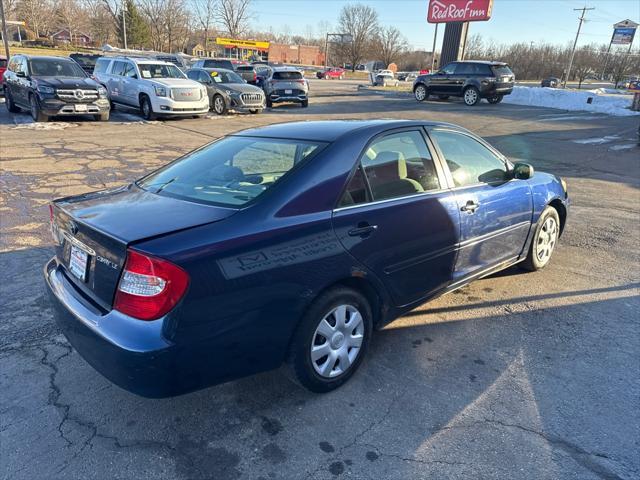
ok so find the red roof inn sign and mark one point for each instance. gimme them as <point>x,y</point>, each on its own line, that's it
<point>445,11</point>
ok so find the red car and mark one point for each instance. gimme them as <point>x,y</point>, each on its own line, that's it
<point>329,73</point>
<point>3,68</point>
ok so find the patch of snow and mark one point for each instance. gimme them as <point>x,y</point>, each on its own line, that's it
<point>44,126</point>
<point>572,100</point>
<point>597,140</point>
<point>625,146</point>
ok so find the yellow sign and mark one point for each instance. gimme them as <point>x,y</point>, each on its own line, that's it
<point>243,43</point>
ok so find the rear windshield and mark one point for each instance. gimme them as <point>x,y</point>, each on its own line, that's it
<point>218,64</point>
<point>151,70</point>
<point>230,172</point>
<point>244,68</point>
<point>86,60</point>
<point>502,70</point>
<point>287,75</point>
<point>46,67</point>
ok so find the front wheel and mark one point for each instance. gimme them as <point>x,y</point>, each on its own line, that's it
<point>255,111</point>
<point>269,103</point>
<point>545,238</point>
<point>495,99</point>
<point>471,96</point>
<point>102,117</point>
<point>8,100</point>
<point>146,109</point>
<point>219,105</point>
<point>331,340</point>
<point>421,93</point>
<point>36,113</point>
<point>304,103</point>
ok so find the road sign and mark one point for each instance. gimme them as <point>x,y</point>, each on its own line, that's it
<point>623,36</point>
<point>445,11</point>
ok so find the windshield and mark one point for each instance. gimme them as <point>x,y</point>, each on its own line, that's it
<point>287,75</point>
<point>159,70</point>
<point>45,67</point>
<point>230,172</point>
<point>86,60</point>
<point>219,76</point>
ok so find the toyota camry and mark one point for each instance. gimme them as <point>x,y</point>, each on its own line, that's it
<point>290,243</point>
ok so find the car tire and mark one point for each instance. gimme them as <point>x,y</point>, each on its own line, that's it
<point>269,103</point>
<point>544,241</point>
<point>304,103</point>
<point>494,100</point>
<point>8,100</point>
<point>219,105</point>
<point>254,111</point>
<point>471,96</point>
<point>102,117</point>
<point>343,313</point>
<point>421,93</point>
<point>113,106</point>
<point>146,109</point>
<point>443,97</point>
<point>36,113</point>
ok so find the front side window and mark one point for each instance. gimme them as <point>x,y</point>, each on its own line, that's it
<point>48,67</point>
<point>159,70</point>
<point>399,164</point>
<point>469,161</point>
<point>130,71</point>
<point>449,69</point>
<point>230,172</point>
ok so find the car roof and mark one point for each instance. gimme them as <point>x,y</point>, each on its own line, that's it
<point>44,57</point>
<point>285,69</point>
<point>213,69</point>
<point>484,62</point>
<point>331,130</point>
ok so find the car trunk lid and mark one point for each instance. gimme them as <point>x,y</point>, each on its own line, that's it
<point>93,232</point>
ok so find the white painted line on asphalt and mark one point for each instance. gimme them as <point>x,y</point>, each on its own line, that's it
<point>597,140</point>
<point>625,146</point>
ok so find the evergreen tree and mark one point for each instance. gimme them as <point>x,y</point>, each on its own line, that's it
<point>138,33</point>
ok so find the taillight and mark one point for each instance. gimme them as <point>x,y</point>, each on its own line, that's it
<point>149,287</point>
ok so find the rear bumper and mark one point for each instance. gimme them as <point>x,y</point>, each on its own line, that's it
<point>496,90</point>
<point>131,353</point>
<point>287,98</point>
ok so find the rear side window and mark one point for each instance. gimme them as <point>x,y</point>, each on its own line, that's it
<point>232,171</point>
<point>287,76</point>
<point>500,70</point>
<point>469,161</point>
<point>101,65</point>
<point>118,68</point>
<point>473,69</point>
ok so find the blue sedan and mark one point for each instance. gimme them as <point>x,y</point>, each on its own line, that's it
<point>291,244</point>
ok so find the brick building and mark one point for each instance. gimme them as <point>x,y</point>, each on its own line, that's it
<point>300,54</point>
<point>255,49</point>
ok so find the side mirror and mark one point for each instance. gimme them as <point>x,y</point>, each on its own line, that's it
<point>522,171</point>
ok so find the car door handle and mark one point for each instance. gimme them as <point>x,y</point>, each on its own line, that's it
<point>362,230</point>
<point>470,206</point>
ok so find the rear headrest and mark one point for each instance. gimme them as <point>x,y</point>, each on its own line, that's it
<point>389,158</point>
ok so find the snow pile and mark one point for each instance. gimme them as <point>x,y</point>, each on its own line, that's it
<point>573,100</point>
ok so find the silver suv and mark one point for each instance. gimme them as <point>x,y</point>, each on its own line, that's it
<point>286,84</point>
<point>153,86</point>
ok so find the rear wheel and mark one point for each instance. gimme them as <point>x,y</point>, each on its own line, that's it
<point>421,93</point>
<point>495,99</point>
<point>331,340</point>
<point>219,105</point>
<point>36,113</point>
<point>471,96</point>
<point>8,100</point>
<point>146,109</point>
<point>544,240</point>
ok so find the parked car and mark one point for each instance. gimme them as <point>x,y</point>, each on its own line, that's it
<point>286,84</point>
<point>153,87</point>
<point>87,61</point>
<point>3,68</point>
<point>331,73</point>
<point>226,63</point>
<point>52,86</point>
<point>550,82</point>
<point>285,243</point>
<point>248,73</point>
<point>472,80</point>
<point>262,73</point>
<point>385,80</point>
<point>179,61</point>
<point>227,90</point>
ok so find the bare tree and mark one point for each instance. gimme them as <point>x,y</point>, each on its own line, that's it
<point>391,44</point>
<point>361,21</point>
<point>70,16</point>
<point>37,15</point>
<point>204,14</point>
<point>233,16</point>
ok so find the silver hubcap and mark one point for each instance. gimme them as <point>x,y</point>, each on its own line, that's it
<point>218,105</point>
<point>546,240</point>
<point>421,93</point>
<point>337,341</point>
<point>470,96</point>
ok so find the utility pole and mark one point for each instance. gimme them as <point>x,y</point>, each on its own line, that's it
<point>573,51</point>
<point>433,49</point>
<point>5,37</point>
<point>124,22</point>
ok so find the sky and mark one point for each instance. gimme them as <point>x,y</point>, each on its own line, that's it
<point>550,21</point>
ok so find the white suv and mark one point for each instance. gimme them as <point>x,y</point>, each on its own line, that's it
<point>152,86</point>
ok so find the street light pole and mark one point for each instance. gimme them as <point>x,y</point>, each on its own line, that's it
<point>433,50</point>
<point>124,22</point>
<point>575,42</point>
<point>5,37</point>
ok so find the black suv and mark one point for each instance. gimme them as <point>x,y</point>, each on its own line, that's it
<point>471,80</point>
<point>51,86</point>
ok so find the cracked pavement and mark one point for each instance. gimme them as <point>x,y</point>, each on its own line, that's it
<point>519,375</point>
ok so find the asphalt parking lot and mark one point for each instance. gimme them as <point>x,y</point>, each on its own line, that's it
<point>519,375</point>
